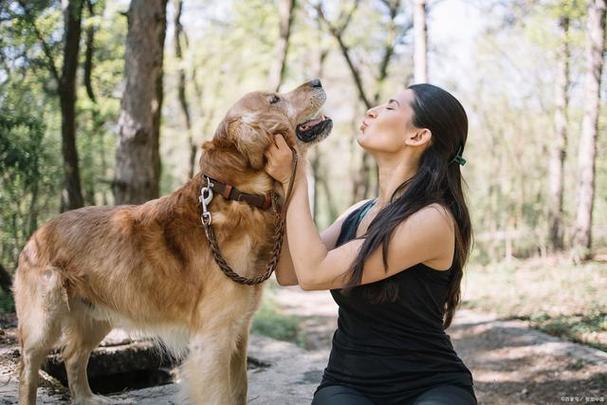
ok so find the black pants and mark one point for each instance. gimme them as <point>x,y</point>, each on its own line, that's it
<point>439,395</point>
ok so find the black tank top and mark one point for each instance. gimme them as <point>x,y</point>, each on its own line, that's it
<point>393,351</point>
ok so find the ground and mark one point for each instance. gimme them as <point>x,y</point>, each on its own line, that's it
<point>511,362</point>
<point>497,332</point>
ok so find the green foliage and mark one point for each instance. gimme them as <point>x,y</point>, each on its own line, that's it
<point>6,302</point>
<point>269,321</point>
<point>30,118</point>
<point>27,181</point>
<point>507,87</point>
<point>558,298</point>
<point>578,328</point>
<point>511,104</point>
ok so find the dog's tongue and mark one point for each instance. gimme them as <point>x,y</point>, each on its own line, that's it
<point>309,124</point>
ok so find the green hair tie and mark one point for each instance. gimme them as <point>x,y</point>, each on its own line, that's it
<point>458,157</point>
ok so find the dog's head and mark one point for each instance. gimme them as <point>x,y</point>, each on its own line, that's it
<point>253,121</point>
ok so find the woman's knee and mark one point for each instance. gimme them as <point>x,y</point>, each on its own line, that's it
<point>339,395</point>
<point>446,395</point>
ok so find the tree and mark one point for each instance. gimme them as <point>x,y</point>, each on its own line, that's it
<point>394,35</point>
<point>559,146</point>
<point>137,176</point>
<point>71,197</point>
<point>29,170</point>
<point>89,52</point>
<point>320,176</point>
<point>72,194</point>
<point>286,11</point>
<point>595,47</point>
<point>421,39</point>
<point>178,37</point>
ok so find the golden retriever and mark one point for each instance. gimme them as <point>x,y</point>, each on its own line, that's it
<point>148,268</point>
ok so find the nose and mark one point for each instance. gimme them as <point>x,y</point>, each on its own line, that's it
<point>315,83</point>
<point>371,113</point>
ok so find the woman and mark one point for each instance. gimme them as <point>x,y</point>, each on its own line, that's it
<point>393,263</point>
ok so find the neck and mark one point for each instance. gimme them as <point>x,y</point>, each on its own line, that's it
<point>229,166</point>
<point>392,173</point>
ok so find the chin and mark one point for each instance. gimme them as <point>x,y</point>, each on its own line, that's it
<point>364,141</point>
<point>376,144</point>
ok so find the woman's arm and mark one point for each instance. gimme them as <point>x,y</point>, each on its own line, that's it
<point>424,236</point>
<point>285,272</point>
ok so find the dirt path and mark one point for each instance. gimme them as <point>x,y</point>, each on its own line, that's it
<point>511,363</point>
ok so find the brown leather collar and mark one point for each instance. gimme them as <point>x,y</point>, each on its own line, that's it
<point>261,201</point>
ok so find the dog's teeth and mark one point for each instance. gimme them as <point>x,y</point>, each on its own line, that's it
<point>311,117</point>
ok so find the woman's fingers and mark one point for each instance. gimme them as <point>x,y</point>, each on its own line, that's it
<point>280,142</point>
<point>280,151</point>
<point>271,150</point>
<point>279,159</point>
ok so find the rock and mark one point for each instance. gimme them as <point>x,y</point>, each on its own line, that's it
<point>279,372</point>
<point>288,375</point>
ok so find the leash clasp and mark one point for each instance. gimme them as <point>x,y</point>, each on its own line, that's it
<point>205,198</point>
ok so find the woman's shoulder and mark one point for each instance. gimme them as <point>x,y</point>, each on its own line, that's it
<point>330,235</point>
<point>353,208</point>
<point>439,211</point>
<point>432,216</point>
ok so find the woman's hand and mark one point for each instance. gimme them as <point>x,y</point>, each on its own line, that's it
<point>280,161</point>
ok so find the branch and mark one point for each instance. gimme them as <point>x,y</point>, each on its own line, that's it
<point>45,47</point>
<point>398,33</point>
<point>345,50</point>
<point>389,4</point>
<point>345,18</point>
<point>88,56</point>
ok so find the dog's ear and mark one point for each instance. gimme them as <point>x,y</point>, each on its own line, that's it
<point>251,141</point>
<point>251,134</point>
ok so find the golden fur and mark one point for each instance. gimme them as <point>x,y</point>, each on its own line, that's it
<point>148,267</point>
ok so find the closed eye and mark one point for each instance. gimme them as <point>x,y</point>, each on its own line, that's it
<point>274,99</point>
<point>391,104</point>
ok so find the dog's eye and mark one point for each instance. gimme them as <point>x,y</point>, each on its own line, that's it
<point>274,99</point>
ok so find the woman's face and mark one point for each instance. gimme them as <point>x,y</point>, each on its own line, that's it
<point>387,127</point>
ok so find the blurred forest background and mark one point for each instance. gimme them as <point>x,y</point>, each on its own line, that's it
<point>108,101</point>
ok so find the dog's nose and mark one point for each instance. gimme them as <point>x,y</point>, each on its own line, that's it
<point>315,83</point>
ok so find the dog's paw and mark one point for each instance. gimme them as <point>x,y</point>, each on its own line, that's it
<point>95,400</point>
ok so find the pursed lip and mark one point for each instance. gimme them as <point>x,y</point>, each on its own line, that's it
<point>363,126</point>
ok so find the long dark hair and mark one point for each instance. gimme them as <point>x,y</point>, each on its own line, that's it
<point>438,180</point>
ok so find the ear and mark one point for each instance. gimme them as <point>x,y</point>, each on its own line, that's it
<point>251,141</point>
<point>420,137</point>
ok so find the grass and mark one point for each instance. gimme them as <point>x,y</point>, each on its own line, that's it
<point>6,302</point>
<point>554,295</point>
<point>270,321</point>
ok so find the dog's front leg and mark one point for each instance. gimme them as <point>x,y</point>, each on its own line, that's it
<point>206,371</point>
<point>238,370</point>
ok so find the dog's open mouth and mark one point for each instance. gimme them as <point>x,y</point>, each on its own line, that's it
<point>314,129</point>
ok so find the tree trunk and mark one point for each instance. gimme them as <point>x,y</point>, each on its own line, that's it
<point>559,148</point>
<point>182,95</point>
<point>582,237</point>
<point>6,281</point>
<point>137,176</point>
<point>421,39</point>
<point>89,52</point>
<point>321,56</point>
<point>285,14</point>
<point>71,196</point>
